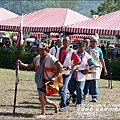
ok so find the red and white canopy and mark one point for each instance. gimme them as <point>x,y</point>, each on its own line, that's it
<point>108,24</point>
<point>45,20</point>
<point>55,35</point>
<point>6,14</point>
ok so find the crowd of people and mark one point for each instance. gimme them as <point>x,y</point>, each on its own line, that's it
<point>111,50</point>
<point>83,66</point>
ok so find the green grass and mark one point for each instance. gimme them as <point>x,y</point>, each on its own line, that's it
<point>27,104</point>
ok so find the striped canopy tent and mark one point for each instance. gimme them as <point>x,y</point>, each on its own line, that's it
<point>45,20</point>
<point>55,35</point>
<point>108,24</point>
<point>6,14</point>
<point>80,36</point>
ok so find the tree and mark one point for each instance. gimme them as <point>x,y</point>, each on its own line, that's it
<point>64,4</point>
<point>107,6</point>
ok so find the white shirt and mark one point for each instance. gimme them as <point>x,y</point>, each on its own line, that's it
<point>53,50</point>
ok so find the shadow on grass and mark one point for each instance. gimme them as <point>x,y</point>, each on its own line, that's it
<point>25,80</point>
<point>26,102</point>
<point>104,87</point>
<point>22,90</point>
<point>16,114</point>
<point>20,106</point>
<point>53,98</point>
<point>26,90</point>
<point>24,115</point>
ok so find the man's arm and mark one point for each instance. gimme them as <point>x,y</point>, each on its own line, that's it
<point>27,66</point>
<point>102,62</point>
<point>76,60</point>
<point>104,66</point>
<point>75,63</point>
<point>58,67</point>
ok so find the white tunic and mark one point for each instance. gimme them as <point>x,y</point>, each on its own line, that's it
<point>84,62</point>
<point>54,50</point>
<point>96,71</point>
<point>68,60</point>
<point>49,65</point>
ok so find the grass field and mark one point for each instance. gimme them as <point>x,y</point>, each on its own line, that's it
<point>27,104</point>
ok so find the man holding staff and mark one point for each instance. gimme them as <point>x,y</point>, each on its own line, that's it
<point>47,69</point>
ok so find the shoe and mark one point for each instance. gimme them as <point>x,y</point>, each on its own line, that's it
<point>79,105</point>
<point>63,109</point>
<point>68,101</point>
<point>94,99</point>
<point>40,116</point>
<point>84,97</point>
<point>73,101</point>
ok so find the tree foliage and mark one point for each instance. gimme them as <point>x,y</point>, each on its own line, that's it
<point>64,4</point>
<point>27,6</point>
<point>106,7</point>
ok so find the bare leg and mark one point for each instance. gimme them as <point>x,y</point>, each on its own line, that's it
<point>43,102</point>
<point>55,104</point>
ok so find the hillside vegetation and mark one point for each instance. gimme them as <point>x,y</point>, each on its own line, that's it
<point>27,6</point>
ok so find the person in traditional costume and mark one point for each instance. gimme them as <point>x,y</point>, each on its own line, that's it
<point>47,69</point>
<point>77,82</point>
<point>55,48</point>
<point>94,75</point>
<point>68,58</point>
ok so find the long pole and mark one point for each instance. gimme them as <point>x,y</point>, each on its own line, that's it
<point>15,98</point>
<point>20,37</point>
<point>17,77</point>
